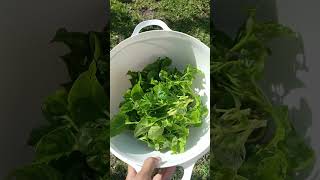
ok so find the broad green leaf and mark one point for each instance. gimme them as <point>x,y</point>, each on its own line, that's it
<point>195,117</point>
<point>274,167</point>
<point>95,45</point>
<point>141,129</point>
<point>117,124</point>
<point>87,98</point>
<point>37,133</point>
<point>94,137</point>
<point>136,92</point>
<point>300,156</point>
<point>57,143</point>
<point>77,60</point>
<point>283,127</point>
<point>56,106</point>
<point>155,131</point>
<point>126,107</point>
<point>98,162</point>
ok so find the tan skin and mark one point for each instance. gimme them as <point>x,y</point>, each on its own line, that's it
<point>149,165</point>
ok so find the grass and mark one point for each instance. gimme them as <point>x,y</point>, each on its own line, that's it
<point>191,17</point>
<point>188,16</point>
<point>200,171</point>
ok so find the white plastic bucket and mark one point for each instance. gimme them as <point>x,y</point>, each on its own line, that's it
<point>135,53</point>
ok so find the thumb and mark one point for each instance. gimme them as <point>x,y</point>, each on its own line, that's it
<point>149,165</point>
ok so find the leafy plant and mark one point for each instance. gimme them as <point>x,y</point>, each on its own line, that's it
<point>72,145</point>
<point>251,138</point>
<point>161,106</point>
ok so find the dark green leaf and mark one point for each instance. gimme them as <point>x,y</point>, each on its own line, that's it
<point>95,45</point>
<point>117,124</point>
<point>155,131</point>
<point>37,133</point>
<point>79,58</point>
<point>87,98</point>
<point>55,107</point>
<point>57,143</point>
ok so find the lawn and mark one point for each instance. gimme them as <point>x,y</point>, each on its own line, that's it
<point>191,17</point>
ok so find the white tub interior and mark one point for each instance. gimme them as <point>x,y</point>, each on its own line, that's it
<point>135,55</point>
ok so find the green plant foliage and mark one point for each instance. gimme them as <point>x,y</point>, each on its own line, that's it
<point>73,144</point>
<point>251,138</point>
<point>161,106</point>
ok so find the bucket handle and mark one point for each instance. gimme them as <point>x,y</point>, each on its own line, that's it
<point>153,22</point>
<point>187,169</point>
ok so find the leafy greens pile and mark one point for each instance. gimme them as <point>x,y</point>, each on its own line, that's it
<point>251,138</point>
<point>161,106</point>
<point>73,144</point>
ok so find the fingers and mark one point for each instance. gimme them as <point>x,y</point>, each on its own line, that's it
<point>148,166</point>
<point>165,174</point>
<point>131,173</point>
<point>168,172</point>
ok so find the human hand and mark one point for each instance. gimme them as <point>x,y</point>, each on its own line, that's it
<point>146,172</point>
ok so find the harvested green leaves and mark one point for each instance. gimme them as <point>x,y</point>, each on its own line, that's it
<point>72,145</point>
<point>161,106</point>
<point>251,138</point>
